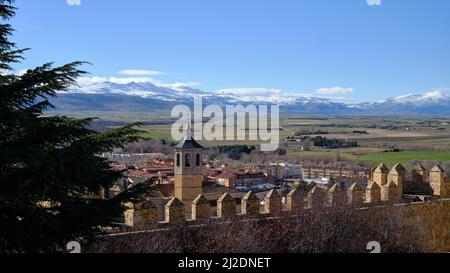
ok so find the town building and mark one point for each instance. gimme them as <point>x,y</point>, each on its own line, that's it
<point>285,170</point>
<point>318,172</point>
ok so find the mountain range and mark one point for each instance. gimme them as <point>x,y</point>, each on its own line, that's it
<point>134,97</point>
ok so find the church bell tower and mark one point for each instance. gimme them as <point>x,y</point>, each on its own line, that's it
<point>188,168</point>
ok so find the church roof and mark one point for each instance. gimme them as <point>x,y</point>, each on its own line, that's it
<point>188,144</point>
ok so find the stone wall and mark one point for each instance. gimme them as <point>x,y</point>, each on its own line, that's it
<point>433,218</point>
<point>430,220</point>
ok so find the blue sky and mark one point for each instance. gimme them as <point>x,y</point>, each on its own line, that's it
<point>343,48</point>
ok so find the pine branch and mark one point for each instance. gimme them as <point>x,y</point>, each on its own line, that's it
<point>40,83</point>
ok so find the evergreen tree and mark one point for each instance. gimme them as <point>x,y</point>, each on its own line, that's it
<point>50,158</point>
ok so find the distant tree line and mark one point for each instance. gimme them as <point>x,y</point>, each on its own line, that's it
<point>333,143</point>
<point>235,148</point>
<point>311,132</point>
<point>235,151</point>
<point>105,125</point>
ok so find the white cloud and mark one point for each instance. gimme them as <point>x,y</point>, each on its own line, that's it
<point>4,72</point>
<point>21,72</point>
<point>180,86</point>
<point>74,2</point>
<point>140,72</point>
<point>334,91</point>
<point>15,72</point>
<point>374,2</point>
<point>84,81</point>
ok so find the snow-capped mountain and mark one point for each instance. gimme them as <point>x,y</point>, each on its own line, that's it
<point>139,89</point>
<point>435,102</point>
<point>185,94</point>
<point>140,97</point>
<point>429,98</point>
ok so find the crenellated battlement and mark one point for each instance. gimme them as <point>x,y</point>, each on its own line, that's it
<point>385,187</point>
<point>434,181</point>
<point>374,196</point>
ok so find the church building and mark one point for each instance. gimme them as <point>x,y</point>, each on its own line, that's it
<point>188,169</point>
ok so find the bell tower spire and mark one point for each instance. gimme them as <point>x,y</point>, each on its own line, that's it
<point>188,132</point>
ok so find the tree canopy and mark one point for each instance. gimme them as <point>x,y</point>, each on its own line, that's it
<point>56,159</point>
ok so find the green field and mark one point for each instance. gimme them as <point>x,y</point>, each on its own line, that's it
<point>153,134</point>
<point>404,157</point>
